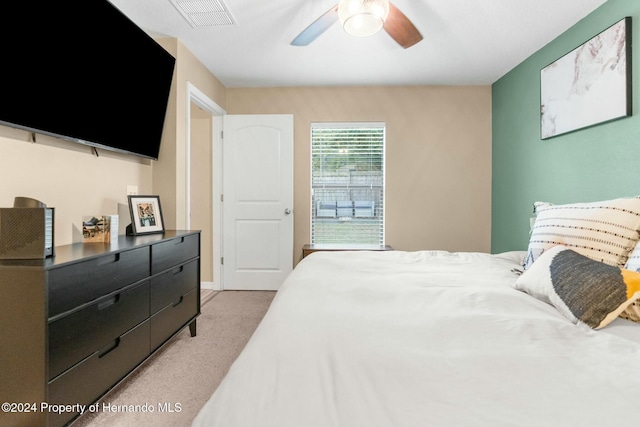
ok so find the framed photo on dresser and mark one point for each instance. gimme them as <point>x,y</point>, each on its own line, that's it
<point>146,215</point>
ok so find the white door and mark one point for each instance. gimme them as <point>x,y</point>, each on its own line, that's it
<point>257,206</point>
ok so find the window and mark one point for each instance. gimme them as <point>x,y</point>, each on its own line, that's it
<point>347,183</point>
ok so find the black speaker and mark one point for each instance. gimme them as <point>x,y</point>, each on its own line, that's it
<point>26,233</point>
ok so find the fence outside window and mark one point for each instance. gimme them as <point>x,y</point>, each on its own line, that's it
<point>347,183</point>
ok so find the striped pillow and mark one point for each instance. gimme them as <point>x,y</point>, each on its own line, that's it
<point>604,231</point>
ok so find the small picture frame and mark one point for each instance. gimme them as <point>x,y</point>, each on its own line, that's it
<point>146,215</point>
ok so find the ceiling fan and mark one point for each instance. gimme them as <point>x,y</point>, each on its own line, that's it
<point>363,18</point>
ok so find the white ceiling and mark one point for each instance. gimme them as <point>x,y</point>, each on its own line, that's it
<point>466,42</point>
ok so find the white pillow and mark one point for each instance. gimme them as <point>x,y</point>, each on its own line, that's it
<point>581,289</point>
<point>605,231</point>
<point>633,262</point>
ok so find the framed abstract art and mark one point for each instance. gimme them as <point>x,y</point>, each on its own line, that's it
<point>589,85</point>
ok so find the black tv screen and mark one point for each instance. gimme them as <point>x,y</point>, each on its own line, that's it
<point>83,71</point>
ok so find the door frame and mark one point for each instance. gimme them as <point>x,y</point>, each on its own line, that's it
<point>199,98</point>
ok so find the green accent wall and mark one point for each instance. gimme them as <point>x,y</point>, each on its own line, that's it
<point>597,163</point>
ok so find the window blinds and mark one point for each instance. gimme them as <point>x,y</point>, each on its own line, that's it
<point>347,183</point>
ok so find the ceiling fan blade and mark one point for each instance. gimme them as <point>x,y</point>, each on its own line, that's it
<point>318,27</point>
<point>400,28</point>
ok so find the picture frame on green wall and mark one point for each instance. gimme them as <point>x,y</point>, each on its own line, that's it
<point>589,85</point>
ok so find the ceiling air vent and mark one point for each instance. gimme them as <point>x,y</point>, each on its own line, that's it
<point>204,13</point>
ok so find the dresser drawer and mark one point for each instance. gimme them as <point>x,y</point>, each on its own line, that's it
<point>169,320</point>
<point>173,252</point>
<point>76,336</point>
<point>168,287</point>
<point>80,283</point>
<point>95,375</point>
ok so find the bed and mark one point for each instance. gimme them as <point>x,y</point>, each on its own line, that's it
<point>436,338</point>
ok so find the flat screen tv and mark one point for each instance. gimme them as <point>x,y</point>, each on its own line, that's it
<point>82,71</point>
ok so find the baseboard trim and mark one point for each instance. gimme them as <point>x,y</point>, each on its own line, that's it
<point>209,285</point>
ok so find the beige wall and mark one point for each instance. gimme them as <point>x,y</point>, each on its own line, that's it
<point>201,188</point>
<point>438,159</point>
<point>69,177</point>
<point>169,172</point>
<point>438,156</point>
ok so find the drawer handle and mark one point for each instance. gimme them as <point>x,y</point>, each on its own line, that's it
<point>109,260</point>
<point>177,270</point>
<point>181,241</point>
<point>108,303</point>
<point>109,349</point>
<point>179,301</point>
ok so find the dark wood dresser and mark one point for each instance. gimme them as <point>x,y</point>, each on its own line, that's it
<point>73,326</point>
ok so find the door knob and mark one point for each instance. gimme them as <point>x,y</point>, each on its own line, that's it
<point>287,211</point>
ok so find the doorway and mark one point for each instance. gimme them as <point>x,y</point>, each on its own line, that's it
<point>270,136</point>
<point>203,181</point>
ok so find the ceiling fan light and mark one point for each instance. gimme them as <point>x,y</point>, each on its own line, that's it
<point>363,17</point>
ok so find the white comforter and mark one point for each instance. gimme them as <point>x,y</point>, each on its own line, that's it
<point>424,338</point>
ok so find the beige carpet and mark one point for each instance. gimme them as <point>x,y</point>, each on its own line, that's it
<point>185,372</point>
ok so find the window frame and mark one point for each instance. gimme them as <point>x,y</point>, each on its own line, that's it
<point>347,125</point>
